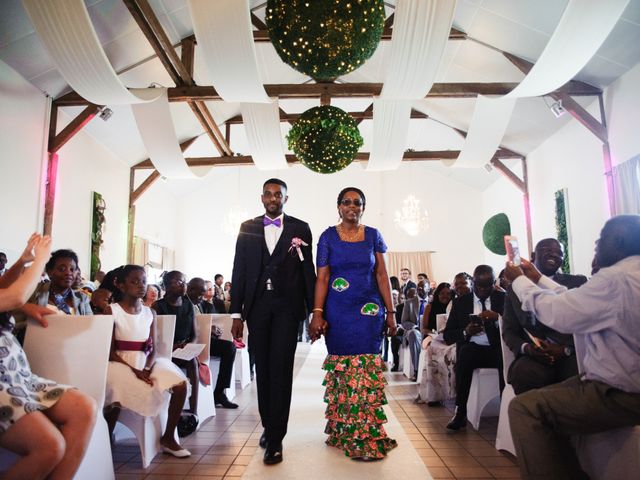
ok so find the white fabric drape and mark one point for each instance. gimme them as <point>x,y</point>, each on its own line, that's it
<point>262,127</point>
<point>225,40</point>
<point>65,30</point>
<point>626,181</point>
<point>584,26</point>
<point>488,124</point>
<point>390,129</point>
<point>159,137</point>
<point>420,33</point>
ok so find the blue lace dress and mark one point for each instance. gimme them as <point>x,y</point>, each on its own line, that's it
<point>355,313</point>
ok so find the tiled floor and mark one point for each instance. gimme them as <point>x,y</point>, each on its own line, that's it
<point>225,444</point>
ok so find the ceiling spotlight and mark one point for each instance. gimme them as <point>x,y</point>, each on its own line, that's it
<point>105,113</point>
<point>488,167</point>
<point>557,109</point>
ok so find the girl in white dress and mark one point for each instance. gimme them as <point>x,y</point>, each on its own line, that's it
<point>136,379</point>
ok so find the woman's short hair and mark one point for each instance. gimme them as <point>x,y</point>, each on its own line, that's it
<point>344,191</point>
<point>57,255</point>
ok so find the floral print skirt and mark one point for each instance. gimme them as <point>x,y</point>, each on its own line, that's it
<point>354,397</point>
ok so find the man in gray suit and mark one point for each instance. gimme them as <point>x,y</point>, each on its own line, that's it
<point>410,321</point>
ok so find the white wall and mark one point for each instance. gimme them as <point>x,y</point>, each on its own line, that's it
<point>84,166</point>
<point>204,249</point>
<point>157,213</point>
<point>22,134</point>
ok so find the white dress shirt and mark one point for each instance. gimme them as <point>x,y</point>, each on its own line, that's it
<point>272,234</point>
<point>480,338</point>
<point>603,316</point>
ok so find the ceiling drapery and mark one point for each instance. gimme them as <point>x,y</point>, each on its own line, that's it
<point>584,26</point>
<point>225,42</point>
<point>159,137</point>
<point>420,33</point>
<point>66,31</point>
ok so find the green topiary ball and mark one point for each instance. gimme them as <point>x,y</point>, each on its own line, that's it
<point>494,231</point>
<point>325,139</point>
<point>325,39</point>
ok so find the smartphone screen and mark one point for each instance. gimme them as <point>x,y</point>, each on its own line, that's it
<point>513,251</point>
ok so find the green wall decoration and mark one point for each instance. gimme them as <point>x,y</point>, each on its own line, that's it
<point>325,139</point>
<point>561,227</point>
<point>494,231</point>
<point>97,227</point>
<point>325,39</point>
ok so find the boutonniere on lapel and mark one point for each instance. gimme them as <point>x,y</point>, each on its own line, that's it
<point>296,243</point>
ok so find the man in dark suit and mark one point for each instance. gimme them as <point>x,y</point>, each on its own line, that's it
<point>477,342</point>
<point>407,283</point>
<point>554,359</point>
<point>273,290</point>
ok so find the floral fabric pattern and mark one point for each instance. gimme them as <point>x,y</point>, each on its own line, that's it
<point>355,396</point>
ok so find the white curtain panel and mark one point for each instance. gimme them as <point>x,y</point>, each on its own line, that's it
<point>66,32</point>
<point>488,124</point>
<point>262,127</point>
<point>584,26</point>
<point>626,184</point>
<point>159,137</point>
<point>420,34</point>
<point>390,129</point>
<point>225,41</point>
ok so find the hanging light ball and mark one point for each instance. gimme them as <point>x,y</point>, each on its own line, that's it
<point>325,139</point>
<point>325,39</point>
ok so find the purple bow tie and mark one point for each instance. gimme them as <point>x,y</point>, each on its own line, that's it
<point>266,221</point>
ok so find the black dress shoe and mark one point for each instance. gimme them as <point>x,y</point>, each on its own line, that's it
<point>273,455</point>
<point>458,421</point>
<point>263,440</point>
<point>224,402</point>
<point>394,368</point>
<point>434,404</point>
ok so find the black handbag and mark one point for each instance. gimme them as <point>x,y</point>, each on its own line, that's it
<point>187,424</point>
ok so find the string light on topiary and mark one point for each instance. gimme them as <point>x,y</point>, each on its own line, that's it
<point>325,39</point>
<point>325,139</point>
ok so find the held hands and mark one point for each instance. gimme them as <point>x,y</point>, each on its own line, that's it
<point>237,328</point>
<point>473,329</point>
<point>38,247</point>
<point>538,354</point>
<point>317,327</point>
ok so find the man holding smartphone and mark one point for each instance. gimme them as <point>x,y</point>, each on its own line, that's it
<point>473,326</point>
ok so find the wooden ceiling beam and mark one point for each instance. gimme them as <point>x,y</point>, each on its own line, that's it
<point>262,35</point>
<point>346,90</point>
<point>502,168</point>
<point>144,186</point>
<point>411,156</point>
<point>259,24</point>
<point>73,127</point>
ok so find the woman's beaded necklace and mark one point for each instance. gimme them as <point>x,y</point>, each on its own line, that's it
<point>355,236</point>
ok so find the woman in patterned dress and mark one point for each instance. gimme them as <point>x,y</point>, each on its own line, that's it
<point>354,309</point>
<point>47,424</point>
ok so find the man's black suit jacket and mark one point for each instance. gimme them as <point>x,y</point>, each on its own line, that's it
<point>459,318</point>
<point>293,280</point>
<point>515,320</point>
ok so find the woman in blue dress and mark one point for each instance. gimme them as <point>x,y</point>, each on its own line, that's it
<point>353,310</point>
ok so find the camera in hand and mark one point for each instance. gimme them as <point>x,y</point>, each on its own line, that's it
<point>475,320</point>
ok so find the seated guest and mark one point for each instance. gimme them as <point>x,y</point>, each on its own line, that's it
<point>478,341</point>
<point>218,294</point>
<point>227,293</point>
<point>176,302</point>
<point>553,359</point>
<point>603,317</point>
<point>441,299</point>
<point>410,322</point>
<point>462,284</point>
<point>151,295</point>
<point>206,305</point>
<point>502,283</point>
<point>57,294</point>
<point>407,283</point>
<point>103,296</point>
<point>3,263</point>
<point>46,424</point>
<point>223,349</point>
<point>136,379</point>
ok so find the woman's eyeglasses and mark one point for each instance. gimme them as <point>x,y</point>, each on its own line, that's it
<point>346,202</point>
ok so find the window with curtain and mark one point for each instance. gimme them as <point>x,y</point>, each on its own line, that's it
<point>626,184</point>
<point>417,262</point>
<point>155,258</point>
